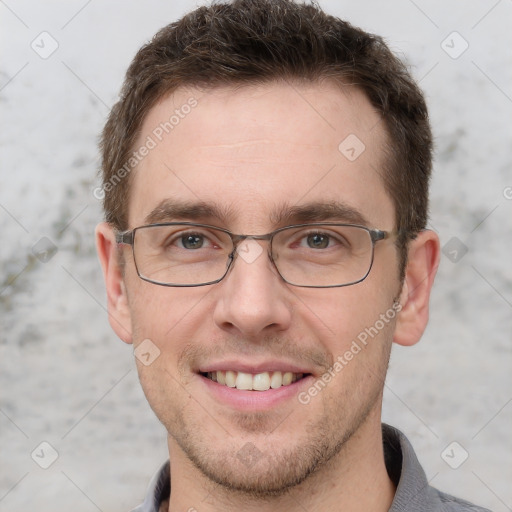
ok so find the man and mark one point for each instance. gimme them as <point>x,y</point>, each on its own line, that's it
<point>266,186</point>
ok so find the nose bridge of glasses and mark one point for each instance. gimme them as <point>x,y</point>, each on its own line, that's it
<point>238,239</point>
<point>248,253</point>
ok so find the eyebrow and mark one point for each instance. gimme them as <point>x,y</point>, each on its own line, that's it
<point>332,211</point>
<point>175,209</point>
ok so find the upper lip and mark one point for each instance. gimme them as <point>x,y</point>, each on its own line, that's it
<point>254,368</point>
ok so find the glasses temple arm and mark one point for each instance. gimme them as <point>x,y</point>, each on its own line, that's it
<point>124,237</point>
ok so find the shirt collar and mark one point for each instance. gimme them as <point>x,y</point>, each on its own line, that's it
<point>413,491</point>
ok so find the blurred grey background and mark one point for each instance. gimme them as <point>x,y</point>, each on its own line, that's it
<point>65,378</point>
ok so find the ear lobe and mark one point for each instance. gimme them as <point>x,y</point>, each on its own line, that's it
<point>423,260</point>
<point>117,300</point>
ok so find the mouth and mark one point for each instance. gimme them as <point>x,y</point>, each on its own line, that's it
<point>262,381</point>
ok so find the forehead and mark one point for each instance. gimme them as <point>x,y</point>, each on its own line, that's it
<point>253,150</point>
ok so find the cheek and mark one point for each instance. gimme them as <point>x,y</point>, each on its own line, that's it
<point>355,325</point>
<point>163,392</point>
<point>165,322</point>
<point>160,312</point>
<point>338,316</point>
<point>360,350</point>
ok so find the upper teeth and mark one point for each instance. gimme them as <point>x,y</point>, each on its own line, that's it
<point>259,382</point>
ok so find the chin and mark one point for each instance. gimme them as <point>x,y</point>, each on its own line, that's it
<point>260,466</point>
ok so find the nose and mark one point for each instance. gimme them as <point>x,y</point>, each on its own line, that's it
<point>253,299</point>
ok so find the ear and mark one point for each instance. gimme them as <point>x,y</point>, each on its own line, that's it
<point>422,263</point>
<point>117,300</point>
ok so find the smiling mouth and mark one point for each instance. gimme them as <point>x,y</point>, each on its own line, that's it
<point>254,382</point>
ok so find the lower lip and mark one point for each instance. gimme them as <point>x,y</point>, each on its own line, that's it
<point>255,400</point>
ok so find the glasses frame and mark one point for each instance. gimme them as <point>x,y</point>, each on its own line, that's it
<point>128,238</point>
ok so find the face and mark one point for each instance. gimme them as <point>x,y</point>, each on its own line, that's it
<point>250,154</point>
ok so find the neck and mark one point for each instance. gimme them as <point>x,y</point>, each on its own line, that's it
<point>355,480</point>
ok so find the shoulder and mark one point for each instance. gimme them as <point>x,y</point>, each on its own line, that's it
<point>414,492</point>
<point>450,503</point>
<point>158,491</point>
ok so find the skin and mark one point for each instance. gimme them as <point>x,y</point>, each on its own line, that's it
<point>251,150</point>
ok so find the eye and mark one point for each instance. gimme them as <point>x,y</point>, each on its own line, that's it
<point>191,241</point>
<point>319,240</point>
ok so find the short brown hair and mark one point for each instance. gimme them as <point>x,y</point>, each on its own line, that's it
<point>260,41</point>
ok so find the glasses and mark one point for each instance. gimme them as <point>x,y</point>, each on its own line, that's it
<point>323,255</point>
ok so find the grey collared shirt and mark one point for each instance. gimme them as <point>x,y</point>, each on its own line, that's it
<point>413,492</point>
